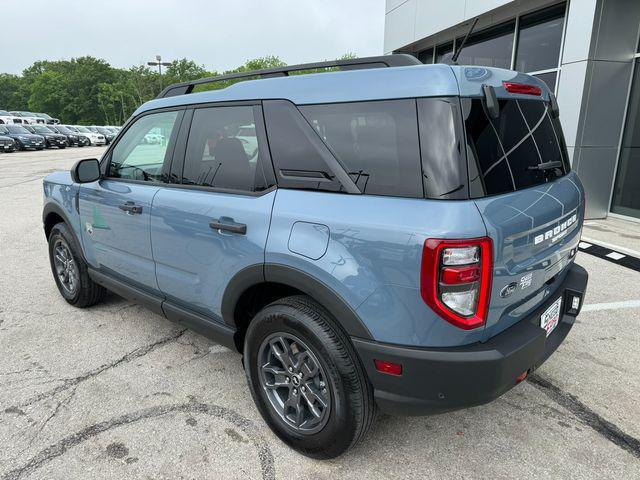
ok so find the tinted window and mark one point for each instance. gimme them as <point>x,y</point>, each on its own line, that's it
<point>17,129</point>
<point>491,48</point>
<point>223,149</point>
<point>144,148</point>
<point>377,142</point>
<point>539,40</point>
<point>501,151</point>
<point>444,171</point>
<point>301,159</point>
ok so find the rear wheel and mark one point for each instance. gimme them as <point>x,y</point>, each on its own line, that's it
<point>70,270</point>
<point>306,379</point>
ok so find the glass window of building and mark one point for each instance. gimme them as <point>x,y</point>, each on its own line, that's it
<point>426,56</point>
<point>490,48</point>
<point>626,193</point>
<point>444,53</point>
<point>549,78</point>
<point>539,40</point>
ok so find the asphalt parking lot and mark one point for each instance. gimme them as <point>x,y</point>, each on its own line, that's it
<point>116,391</point>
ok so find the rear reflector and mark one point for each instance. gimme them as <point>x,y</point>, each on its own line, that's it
<point>456,275</point>
<point>388,367</point>
<point>522,376</point>
<point>522,88</point>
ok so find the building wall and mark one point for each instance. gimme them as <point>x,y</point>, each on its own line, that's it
<point>596,62</point>
<point>596,69</point>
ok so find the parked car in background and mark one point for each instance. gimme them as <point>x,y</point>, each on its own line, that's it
<point>94,137</point>
<point>47,118</point>
<point>247,135</point>
<point>51,138</point>
<point>7,118</point>
<point>153,138</point>
<point>24,138</point>
<point>73,139</point>
<point>82,137</point>
<point>109,134</point>
<point>7,144</point>
<point>28,117</point>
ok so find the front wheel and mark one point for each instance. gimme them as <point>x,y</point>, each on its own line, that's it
<point>306,378</point>
<point>70,270</point>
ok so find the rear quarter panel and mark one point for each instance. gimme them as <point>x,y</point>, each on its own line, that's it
<point>372,256</point>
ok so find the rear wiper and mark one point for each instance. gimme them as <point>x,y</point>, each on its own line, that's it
<point>545,166</point>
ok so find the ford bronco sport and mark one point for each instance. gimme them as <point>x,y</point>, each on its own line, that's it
<point>401,236</point>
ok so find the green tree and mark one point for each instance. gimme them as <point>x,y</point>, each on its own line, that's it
<point>13,94</point>
<point>89,91</point>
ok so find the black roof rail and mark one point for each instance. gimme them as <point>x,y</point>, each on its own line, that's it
<point>395,60</point>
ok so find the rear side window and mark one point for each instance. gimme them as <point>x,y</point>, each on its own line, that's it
<point>443,166</point>
<point>376,142</point>
<point>503,152</point>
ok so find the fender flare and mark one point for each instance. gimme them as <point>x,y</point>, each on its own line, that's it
<point>53,207</point>
<point>296,278</point>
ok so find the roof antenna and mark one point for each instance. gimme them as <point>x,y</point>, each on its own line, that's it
<point>454,59</point>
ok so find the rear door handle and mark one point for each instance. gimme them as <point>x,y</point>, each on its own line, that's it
<point>131,208</point>
<point>229,225</point>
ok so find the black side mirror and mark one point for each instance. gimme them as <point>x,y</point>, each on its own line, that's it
<point>86,171</point>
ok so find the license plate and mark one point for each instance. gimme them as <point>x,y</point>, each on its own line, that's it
<point>551,317</point>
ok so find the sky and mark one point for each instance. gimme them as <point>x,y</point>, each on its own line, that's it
<point>217,34</point>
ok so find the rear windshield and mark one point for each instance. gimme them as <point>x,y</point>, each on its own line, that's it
<point>503,153</point>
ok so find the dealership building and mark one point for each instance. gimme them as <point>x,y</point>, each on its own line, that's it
<point>588,53</point>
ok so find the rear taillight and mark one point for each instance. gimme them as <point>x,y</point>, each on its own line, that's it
<point>522,88</point>
<point>456,279</point>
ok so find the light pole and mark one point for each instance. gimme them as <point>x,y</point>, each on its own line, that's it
<point>159,63</point>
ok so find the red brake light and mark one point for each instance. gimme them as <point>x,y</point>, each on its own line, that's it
<point>456,279</point>
<point>522,88</point>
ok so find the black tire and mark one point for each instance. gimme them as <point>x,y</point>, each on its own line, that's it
<point>86,293</point>
<point>352,408</point>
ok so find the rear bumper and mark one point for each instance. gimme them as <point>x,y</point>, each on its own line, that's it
<point>442,379</point>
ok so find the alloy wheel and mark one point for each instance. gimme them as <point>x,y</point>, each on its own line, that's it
<point>66,267</point>
<point>294,382</point>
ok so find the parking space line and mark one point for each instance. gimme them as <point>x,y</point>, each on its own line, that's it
<point>598,307</point>
<point>617,248</point>
<point>611,255</point>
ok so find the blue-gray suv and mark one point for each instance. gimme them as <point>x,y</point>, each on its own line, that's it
<point>374,235</point>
